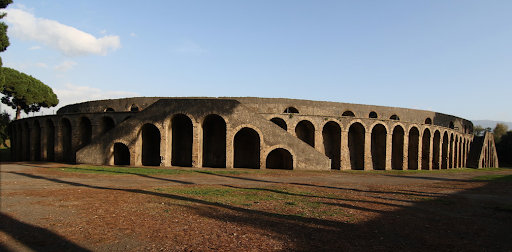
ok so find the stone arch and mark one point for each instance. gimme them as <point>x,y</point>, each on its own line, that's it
<point>397,148</point>
<point>451,126</point>
<point>428,120</point>
<point>151,139</point>
<point>425,150</point>
<point>412,151</point>
<point>445,155</point>
<point>106,124</point>
<point>436,150</point>
<point>394,117</point>
<point>378,147</point>
<point>246,149</point>
<point>305,131</point>
<point>182,131</point>
<point>331,134</point>
<point>121,154</point>
<point>50,140</point>
<point>291,110</point>
<point>348,113</point>
<point>280,158</point>
<point>109,109</point>
<point>65,141</point>
<point>356,141</point>
<point>279,122</point>
<point>373,114</point>
<point>85,132</point>
<point>134,108</point>
<point>26,135</point>
<point>37,141</point>
<point>214,141</point>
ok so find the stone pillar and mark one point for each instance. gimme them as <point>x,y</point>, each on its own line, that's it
<point>368,164</point>
<point>230,148</point>
<point>405,163</point>
<point>197,145</point>
<point>431,151</point>
<point>345,152</point>
<point>389,150</point>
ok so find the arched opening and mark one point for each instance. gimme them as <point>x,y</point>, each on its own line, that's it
<point>445,155</point>
<point>150,145</point>
<point>279,122</point>
<point>121,154</point>
<point>214,141</point>
<point>182,135</point>
<point>50,140</point>
<point>394,117</point>
<point>451,126</point>
<point>397,149</point>
<point>425,150</point>
<point>451,156</point>
<point>428,120</point>
<point>291,110</point>
<point>26,136</point>
<point>436,150</point>
<point>134,108</point>
<point>109,110</point>
<point>356,137</point>
<point>247,149</point>
<point>106,124</point>
<point>280,159</point>
<point>348,113</point>
<point>372,114</point>
<point>68,155</point>
<point>305,131</point>
<point>412,151</point>
<point>331,135</point>
<point>85,131</point>
<point>37,141</point>
<point>379,147</point>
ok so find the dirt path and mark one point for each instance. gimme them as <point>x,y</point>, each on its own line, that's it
<point>43,209</point>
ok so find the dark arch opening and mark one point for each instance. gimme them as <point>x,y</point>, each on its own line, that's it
<point>452,126</point>
<point>150,145</point>
<point>331,135</point>
<point>305,131</point>
<point>106,124</point>
<point>109,110</point>
<point>279,122</point>
<point>247,149</point>
<point>37,141</point>
<point>68,155</point>
<point>425,153</point>
<point>182,135</point>
<point>379,147</point>
<point>356,137</point>
<point>50,140</point>
<point>280,159</point>
<point>214,142</point>
<point>348,113</point>
<point>394,117</point>
<point>436,148</point>
<point>134,108</point>
<point>121,154</point>
<point>291,110</point>
<point>412,155</point>
<point>444,154</point>
<point>85,131</point>
<point>372,114</point>
<point>428,120</point>
<point>26,135</point>
<point>397,149</point>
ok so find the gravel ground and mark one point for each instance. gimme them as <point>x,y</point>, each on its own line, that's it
<point>45,209</point>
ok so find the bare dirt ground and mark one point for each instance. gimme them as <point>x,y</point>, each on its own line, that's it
<point>45,209</point>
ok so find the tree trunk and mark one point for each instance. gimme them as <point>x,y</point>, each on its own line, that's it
<point>18,112</point>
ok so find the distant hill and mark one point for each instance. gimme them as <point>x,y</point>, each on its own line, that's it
<point>490,124</point>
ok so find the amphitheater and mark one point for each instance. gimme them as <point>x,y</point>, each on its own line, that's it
<point>249,132</point>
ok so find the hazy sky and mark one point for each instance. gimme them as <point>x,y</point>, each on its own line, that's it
<point>453,57</point>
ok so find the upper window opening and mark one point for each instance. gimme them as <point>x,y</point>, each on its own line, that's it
<point>109,110</point>
<point>134,108</point>
<point>348,113</point>
<point>373,114</point>
<point>452,126</point>
<point>428,121</point>
<point>291,110</point>
<point>394,117</point>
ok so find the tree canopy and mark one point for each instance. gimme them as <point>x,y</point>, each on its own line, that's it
<point>500,130</point>
<point>24,92</point>
<point>4,40</point>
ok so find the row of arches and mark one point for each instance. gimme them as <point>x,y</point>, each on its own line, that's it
<point>380,148</point>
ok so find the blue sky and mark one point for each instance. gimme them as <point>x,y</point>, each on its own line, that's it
<point>453,57</point>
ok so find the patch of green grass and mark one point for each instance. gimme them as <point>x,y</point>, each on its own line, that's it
<point>451,170</point>
<point>494,178</point>
<point>113,170</point>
